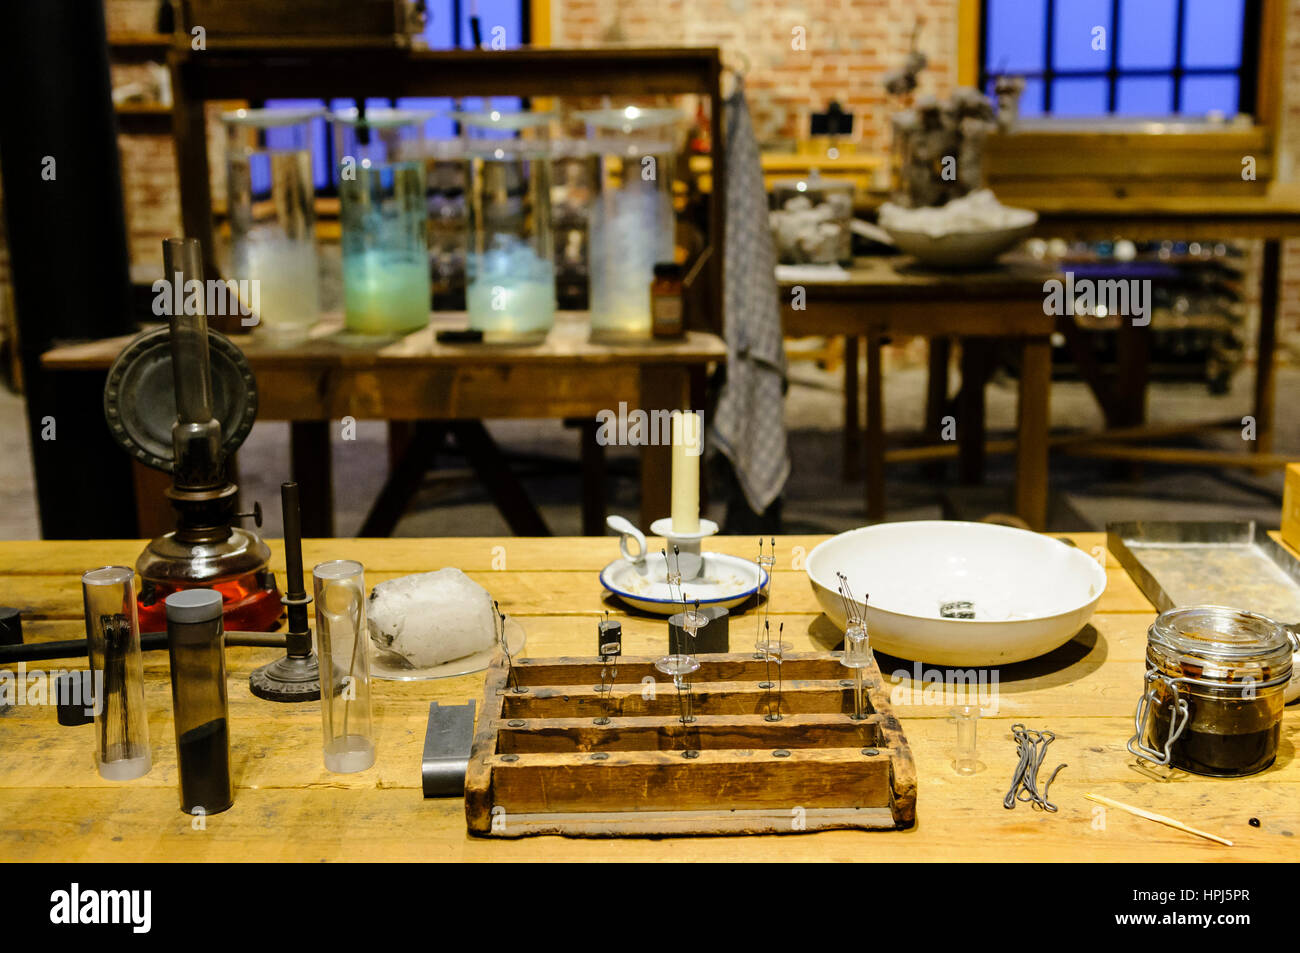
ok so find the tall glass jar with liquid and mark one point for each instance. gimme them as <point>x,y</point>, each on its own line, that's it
<point>384,217</point>
<point>270,202</point>
<point>510,268</point>
<point>632,222</point>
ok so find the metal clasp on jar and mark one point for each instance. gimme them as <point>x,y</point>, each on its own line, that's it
<point>1177,720</point>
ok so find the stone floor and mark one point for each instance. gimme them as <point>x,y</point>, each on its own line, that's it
<point>1085,494</point>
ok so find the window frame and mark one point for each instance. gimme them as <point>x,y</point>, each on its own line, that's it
<point>1248,72</point>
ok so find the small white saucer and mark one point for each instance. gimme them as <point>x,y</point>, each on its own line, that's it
<point>725,581</point>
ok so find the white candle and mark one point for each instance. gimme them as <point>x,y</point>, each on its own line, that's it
<point>687,444</point>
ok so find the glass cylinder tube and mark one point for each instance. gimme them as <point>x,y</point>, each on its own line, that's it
<point>341,644</point>
<point>196,642</point>
<point>857,656</point>
<point>967,717</point>
<point>446,173</point>
<point>510,268</point>
<point>632,222</point>
<point>270,201</point>
<point>384,213</point>
<point>117,673</point>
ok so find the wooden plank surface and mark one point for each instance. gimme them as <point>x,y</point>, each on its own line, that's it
<point>287,807</point>
<point>325,348</point>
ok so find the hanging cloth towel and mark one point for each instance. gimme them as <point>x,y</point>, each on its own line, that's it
<point>749,423</point>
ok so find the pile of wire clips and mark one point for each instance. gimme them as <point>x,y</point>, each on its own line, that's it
<point>1032,748</point>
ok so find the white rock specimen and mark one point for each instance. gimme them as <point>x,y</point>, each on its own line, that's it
<point>431,617</point>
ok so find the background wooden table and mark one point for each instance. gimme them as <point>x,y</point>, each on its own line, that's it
<point>892,297</point>
<point>287,807</point>
<point>1205,215</point>
<point>416,378</point>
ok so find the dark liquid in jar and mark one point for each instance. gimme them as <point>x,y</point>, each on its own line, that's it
<point>203,756</point>
<point>1222,754</point>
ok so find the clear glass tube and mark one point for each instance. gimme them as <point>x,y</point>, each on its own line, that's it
<point>270,197</point>
<point>384,217</point>
<point>632,222</point>
<point>967,718</point>
<point>196,643</point>
<point>117,672</point>
<point>341,643</point>
<point>510,269</point>
<point>857,656</point>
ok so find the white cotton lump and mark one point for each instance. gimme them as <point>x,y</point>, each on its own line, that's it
<point>430,618</point>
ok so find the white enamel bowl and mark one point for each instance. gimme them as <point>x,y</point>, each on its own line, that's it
<point>959,249</point>
<point>1031,593</point>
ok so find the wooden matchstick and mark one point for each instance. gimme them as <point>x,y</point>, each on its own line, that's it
<point>1158,818</point>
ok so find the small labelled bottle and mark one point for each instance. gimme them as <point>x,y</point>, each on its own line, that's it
<point>196,642</point>
<point>666,306</point>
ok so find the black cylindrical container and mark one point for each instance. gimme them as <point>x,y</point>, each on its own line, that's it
<point>713,638</point>
<point>196,641</point>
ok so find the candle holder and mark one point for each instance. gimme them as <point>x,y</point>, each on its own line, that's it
<point>689,561</point>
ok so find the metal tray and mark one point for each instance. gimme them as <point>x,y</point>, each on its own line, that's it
<point>1229,563</point>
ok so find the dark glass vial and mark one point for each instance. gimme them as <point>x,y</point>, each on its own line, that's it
<point>196,641</point>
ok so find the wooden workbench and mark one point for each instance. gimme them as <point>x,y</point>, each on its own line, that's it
<point>287,807</point>
<point>417,378</point>
<point>891,297</point>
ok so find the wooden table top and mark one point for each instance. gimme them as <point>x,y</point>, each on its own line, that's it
<point>1270,215</point>
<point>899,279</point>
<point>287,807</point>
<point>568,344</point>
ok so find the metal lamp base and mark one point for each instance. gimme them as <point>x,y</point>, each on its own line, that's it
<point>287,679</point>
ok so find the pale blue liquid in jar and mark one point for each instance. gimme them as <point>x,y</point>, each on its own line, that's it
<point>510,268</point>
<point>385,249</point>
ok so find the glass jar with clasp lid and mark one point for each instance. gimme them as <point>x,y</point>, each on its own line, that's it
<point>1214,690</point>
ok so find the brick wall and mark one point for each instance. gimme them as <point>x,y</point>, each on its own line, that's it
<point>1289,156</point>
<point>848,45</point>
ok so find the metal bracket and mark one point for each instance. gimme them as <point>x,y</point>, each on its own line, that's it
<point>447,743</point>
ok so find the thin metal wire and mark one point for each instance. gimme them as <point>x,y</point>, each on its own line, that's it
<point>1031,746</point>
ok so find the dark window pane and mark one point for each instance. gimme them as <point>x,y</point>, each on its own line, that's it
<point>1078,97</point>
<point>1201,94</point>
<point>1015,30</point>
<point>1073,34</point>
<point>1144,96</point>
<point>1212,33</point>
<point>1147,33</point>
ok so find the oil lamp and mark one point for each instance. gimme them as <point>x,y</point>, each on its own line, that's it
<point>182,399</point>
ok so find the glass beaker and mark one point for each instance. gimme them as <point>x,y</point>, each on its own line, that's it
<point>510,268</point>
<point>632,222</point>
<point>384,215</point>
<point>196,643</point>
<point>117,674</point>
<point>575,178</point>
<point>341,643</point>
<point>270,201</point>
<point>810,220</point>
<point>446,172</point>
